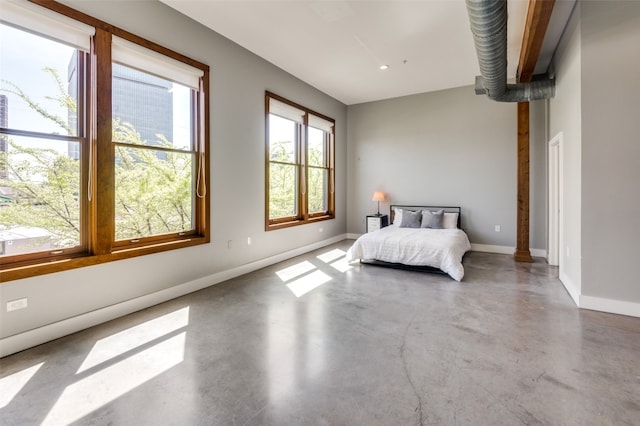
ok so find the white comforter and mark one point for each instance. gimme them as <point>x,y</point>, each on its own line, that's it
<point>439,248</point>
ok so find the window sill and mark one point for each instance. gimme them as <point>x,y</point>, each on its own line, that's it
<point>280,225</point>
<point>33,269</point>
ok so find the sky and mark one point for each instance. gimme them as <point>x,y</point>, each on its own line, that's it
<point>23,57</point>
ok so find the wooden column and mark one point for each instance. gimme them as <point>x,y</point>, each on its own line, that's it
<point>522,253</point>
<point>538,16</point>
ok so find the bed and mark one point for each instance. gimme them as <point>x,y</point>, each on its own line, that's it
<point>438,244</point>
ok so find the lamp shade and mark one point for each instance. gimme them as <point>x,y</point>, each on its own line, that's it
<point>378,196</point>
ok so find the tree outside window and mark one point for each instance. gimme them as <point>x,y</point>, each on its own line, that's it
<point>300,171</point>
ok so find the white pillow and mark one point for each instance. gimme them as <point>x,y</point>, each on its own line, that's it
<point>397,217</point>
<point>450,220</point>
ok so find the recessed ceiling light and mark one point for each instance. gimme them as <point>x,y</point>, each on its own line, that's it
<point>384,67</point>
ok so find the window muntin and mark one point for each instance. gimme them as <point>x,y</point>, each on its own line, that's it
<point>40,208</point>
<point>155,154</point>
<point>299,164</point>
<point>316,147</point>
<point>41,95</point>
<point>42,135</point>
<point>159,110</point>
<point>284,135</point>
<point>154,192</point>
<point>318,169</point>
<point>81,140</point>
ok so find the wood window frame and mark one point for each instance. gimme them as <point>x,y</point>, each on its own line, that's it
<point>98,166</point>
<point>303,216</point>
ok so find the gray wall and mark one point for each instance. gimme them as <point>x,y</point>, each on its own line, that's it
<point>610,149</point>
<point>565,117</point>
<point>538,199</point>
<point>238,82</point>
<point>445,148</point>
<point>596,108</point>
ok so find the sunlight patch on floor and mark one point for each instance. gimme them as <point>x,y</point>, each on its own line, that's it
<point>12,384</point>
<point>308,280</point>
<point>126,340</point>
<point>332,255</point>
<point>337,259</point>
<point>341,265</point>
<point>296,270</point>
<point>305,284</point>
<point>108,384</point>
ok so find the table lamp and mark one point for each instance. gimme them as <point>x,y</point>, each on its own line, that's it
<point>378,196</point>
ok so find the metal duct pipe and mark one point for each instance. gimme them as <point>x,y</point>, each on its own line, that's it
<point>488,20</point>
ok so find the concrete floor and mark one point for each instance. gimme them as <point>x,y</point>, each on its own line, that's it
<point>360,346</point>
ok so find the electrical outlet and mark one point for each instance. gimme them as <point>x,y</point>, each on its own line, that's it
<point>229,244</point>
<point>497,228</point>
<point>14,305</point>
<point>320,229</point>
<point>248,241</point>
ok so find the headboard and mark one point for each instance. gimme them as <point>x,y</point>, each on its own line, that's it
<point>432,208</point>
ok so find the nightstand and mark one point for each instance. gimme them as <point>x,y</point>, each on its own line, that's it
<point>375,222</point>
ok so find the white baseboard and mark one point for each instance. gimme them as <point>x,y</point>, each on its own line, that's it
<point>610,305</point>
<point>19,342</point>
<point>601,304</point>
<point>353,236</point>
<point>487,248</point>
<point>571,287</point>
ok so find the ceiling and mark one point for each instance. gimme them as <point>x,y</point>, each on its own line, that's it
<point>338,46</point>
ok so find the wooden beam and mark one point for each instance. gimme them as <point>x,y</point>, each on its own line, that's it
<point>522,253</point>
<point>538,16</point>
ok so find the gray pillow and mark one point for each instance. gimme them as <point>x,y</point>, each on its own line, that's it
<point>411,219</point>
<point>432,219</point>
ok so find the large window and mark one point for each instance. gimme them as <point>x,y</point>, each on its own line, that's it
<point>103,143</point>
<point>300,164</point>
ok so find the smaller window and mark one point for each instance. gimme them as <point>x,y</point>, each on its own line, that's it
<point>300,164</point>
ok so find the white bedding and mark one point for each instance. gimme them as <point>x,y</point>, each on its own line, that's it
<point>439,248</point>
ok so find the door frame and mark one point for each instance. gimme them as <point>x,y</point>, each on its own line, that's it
<point>555,201</point>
